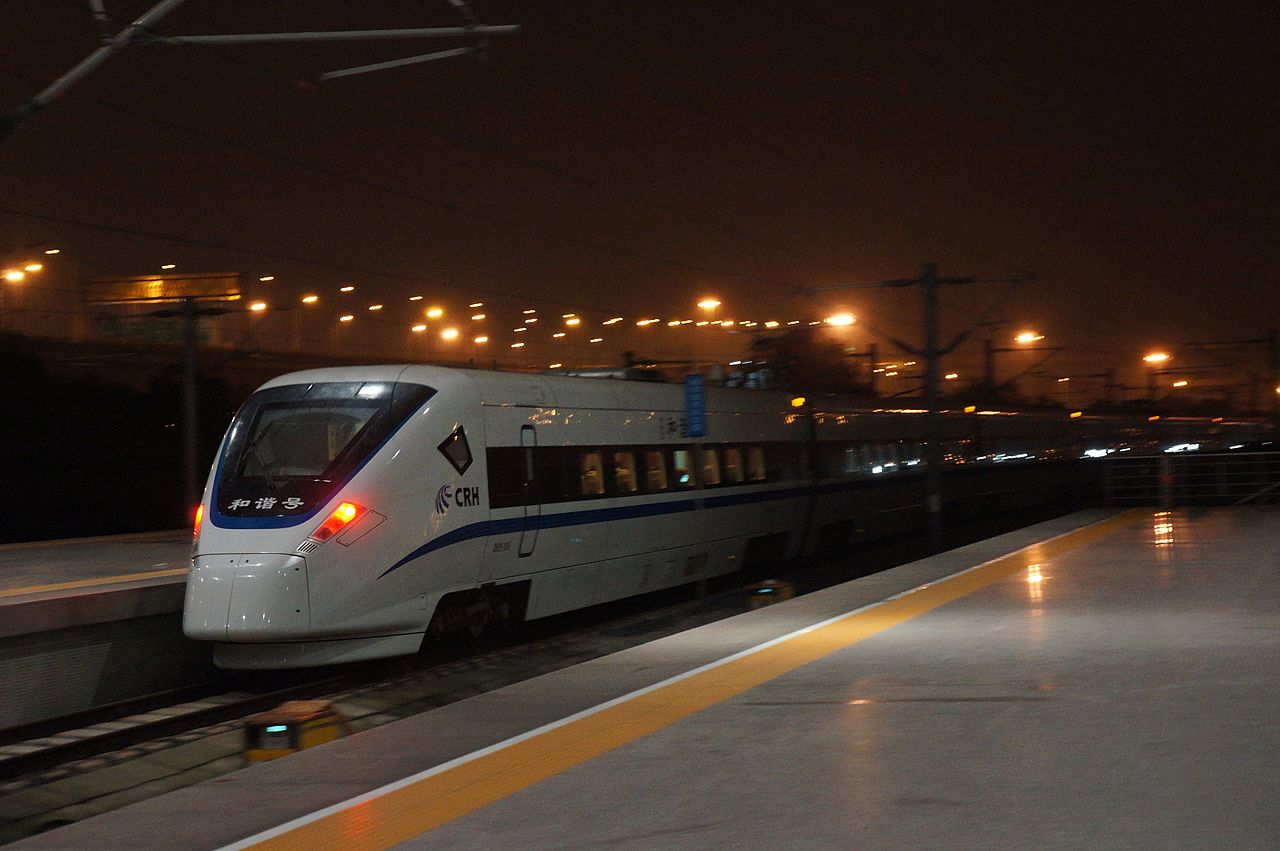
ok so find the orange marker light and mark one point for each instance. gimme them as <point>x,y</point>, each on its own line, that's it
<point>341,516</point>
<point>195,533</point>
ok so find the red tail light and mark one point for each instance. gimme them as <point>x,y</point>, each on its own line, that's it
<point>195,533</point>
<point>341,516</point>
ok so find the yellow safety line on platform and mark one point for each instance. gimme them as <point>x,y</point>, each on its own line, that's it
<point>411,807</point>
<point>89,583</point>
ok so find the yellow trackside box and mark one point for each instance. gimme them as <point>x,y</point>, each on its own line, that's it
<point>769,591</point>
<point>290,727</point>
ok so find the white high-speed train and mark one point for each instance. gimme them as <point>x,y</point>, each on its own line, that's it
<point>351,511</point>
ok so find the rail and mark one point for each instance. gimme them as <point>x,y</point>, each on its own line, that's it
<point>1194,478</point>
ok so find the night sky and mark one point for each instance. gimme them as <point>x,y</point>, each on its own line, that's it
<point>627,158</point>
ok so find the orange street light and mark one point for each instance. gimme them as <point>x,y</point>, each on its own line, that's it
<point>841,320</point>
<point>1027,337</point>
<point>1156,357</point>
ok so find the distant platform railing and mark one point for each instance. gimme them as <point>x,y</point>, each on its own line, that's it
<point>1194,478</point>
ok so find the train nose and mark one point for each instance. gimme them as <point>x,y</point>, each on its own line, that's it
<point>247,597</point>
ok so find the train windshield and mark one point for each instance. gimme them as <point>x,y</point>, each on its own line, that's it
<point>291,447</point>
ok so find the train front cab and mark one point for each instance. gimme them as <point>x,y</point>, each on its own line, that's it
<point>324,480</point>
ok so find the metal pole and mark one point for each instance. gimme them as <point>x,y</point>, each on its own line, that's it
<point>397,63</point>
<point>1273,346</point>
<point>932,426</point>
<point>874,351</point>
<point>989,365</point>
<point>346,35</point>
<point>139,27</point>
<point>190,481</point>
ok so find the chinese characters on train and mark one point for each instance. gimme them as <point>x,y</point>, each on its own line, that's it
<point>266,503</point>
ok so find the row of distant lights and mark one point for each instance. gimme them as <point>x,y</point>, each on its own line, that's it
<point>13,276</point>
<point>570,319</point>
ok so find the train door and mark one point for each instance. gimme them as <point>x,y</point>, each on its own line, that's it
<point>532,499</point>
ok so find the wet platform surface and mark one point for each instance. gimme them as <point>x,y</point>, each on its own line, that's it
<point>1106,680</point>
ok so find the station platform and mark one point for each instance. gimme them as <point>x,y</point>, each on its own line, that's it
<point>1107,679</point>
<point>92,621</point>
<point>55,584</point>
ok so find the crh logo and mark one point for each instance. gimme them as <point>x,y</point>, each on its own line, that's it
<point>442,498</point>
<point>460,496</point>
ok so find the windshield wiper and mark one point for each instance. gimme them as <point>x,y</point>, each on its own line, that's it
<point>252,449</point>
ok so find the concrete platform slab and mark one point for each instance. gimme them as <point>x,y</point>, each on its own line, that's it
<point>1113,689</point>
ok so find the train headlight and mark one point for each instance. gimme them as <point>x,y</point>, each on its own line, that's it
<point>341,516</point>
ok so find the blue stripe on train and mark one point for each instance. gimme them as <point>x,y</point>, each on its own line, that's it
<point>586,517</point>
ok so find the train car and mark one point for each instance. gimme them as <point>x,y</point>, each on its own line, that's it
<point>352,511</point>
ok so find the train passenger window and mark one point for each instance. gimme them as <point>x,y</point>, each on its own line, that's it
<point>783,463</point>
<point>624,472</point>
<point>755,464</point>
<point>710,466</point>
<point>684,468</point>
<point>506,465</point>
<point>592,477</point>
<point>554,468</point>
<point>851,461</point>
<point>732,464</point>
<point>655,470</point>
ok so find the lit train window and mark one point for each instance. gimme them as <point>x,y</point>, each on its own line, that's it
<point>710,466</point>
<point>733,464</point>
<point>655,470</point>
<point>684,468</point>
<point>592,475</point>
<point>457,450</point>
<point>624,472</point>
<point>755,464</point>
